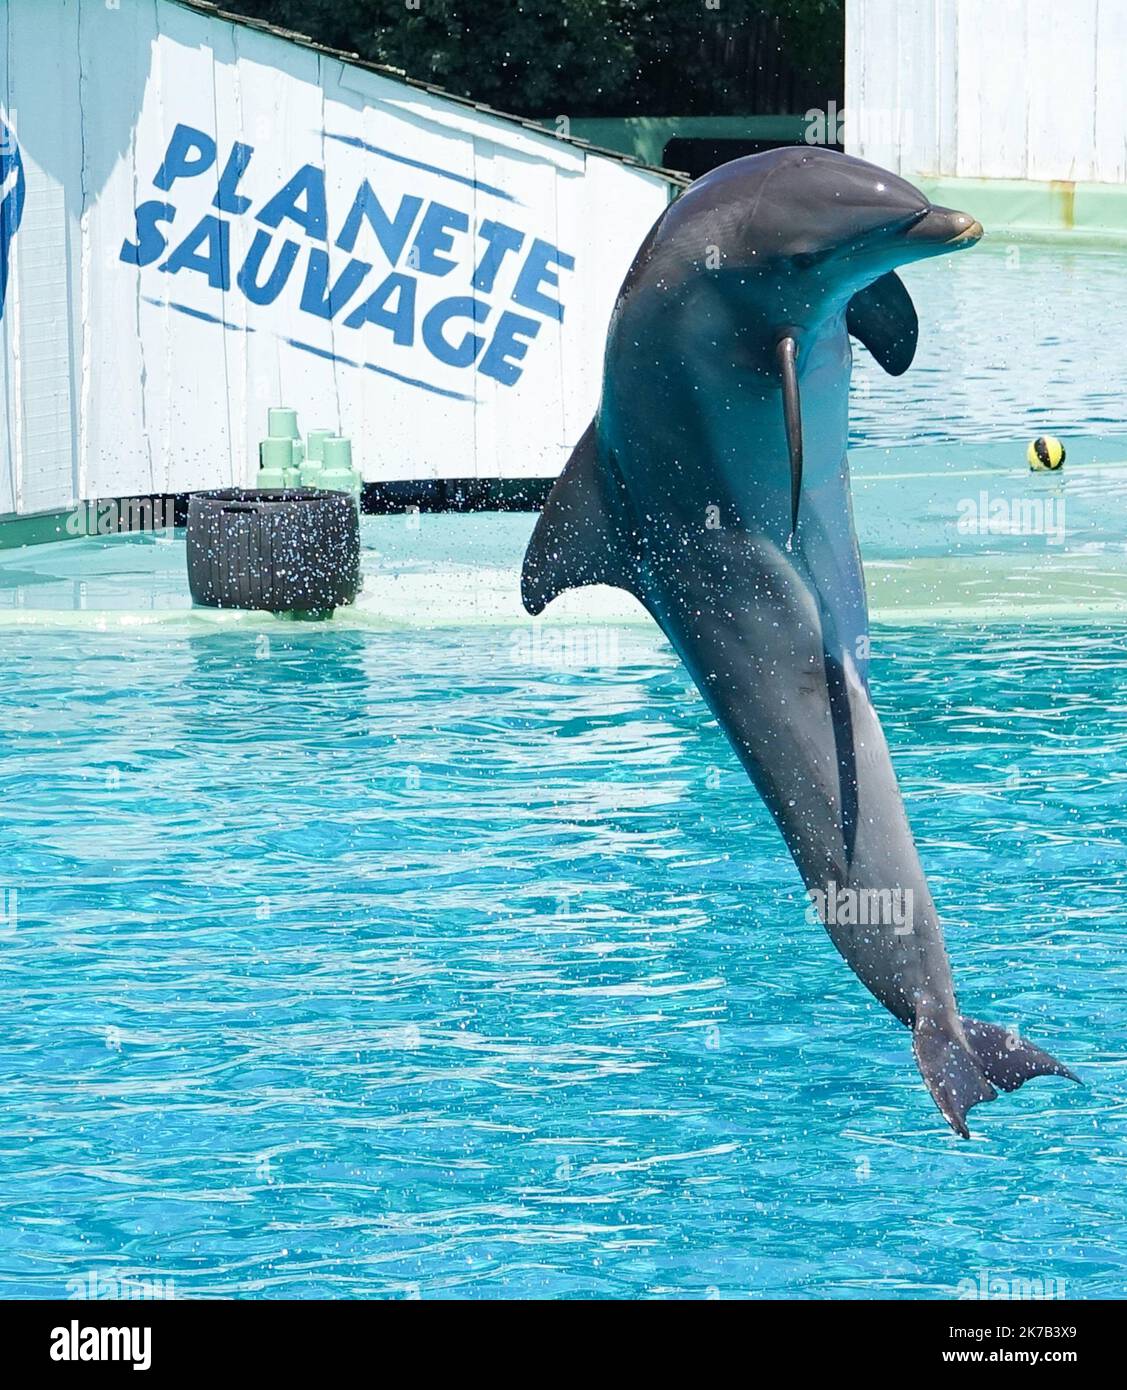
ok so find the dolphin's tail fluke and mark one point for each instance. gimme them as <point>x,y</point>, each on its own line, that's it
<point>961,1071</point>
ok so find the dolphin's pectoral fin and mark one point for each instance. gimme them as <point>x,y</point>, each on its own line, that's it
<point>962,1070</point>
<point>584,535</point>
<point>883,317</point>
<point>786,353</point>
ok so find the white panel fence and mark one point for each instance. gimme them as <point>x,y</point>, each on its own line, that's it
<point>200,219</point>
<point>1015,89</point>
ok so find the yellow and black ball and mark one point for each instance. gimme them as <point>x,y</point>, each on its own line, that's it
<point>1045,454</point>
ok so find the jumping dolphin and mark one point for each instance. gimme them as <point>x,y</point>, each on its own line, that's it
<point>713,485</point>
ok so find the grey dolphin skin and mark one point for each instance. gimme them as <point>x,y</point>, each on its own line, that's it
<point>713,485</point>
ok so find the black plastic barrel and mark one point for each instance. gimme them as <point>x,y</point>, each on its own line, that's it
<point>292,551</point>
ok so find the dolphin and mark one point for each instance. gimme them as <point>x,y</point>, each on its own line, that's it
<point>713,485</point>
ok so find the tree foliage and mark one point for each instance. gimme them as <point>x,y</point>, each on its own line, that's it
<point>592,57</point>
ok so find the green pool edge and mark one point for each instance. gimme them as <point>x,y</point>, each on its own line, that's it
<point>463,570</point>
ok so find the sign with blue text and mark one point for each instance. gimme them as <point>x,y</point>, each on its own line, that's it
<point>237,221</point>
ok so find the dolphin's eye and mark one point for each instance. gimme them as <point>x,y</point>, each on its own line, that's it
<point>803,260</point>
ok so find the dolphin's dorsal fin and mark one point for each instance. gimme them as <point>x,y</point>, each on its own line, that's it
<point>883,317</point>
<point>786,352</point>
<point>584,535</point>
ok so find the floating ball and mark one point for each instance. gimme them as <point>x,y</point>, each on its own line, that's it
<point>1045,454</point>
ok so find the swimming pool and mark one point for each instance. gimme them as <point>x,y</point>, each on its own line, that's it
<point>1010,347</point>
<point>383,964</point>
<point>435,953</point>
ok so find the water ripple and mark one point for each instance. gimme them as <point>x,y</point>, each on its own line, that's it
<point>383,968</point>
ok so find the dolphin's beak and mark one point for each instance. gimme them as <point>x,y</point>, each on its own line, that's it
<point>943,229</point>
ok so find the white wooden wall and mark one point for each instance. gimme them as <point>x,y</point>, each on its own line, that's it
<point>119,378</point>
<point>1017,89</point>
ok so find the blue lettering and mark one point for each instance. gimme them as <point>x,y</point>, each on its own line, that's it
<point>214,261</point>
<point>436,320</point>
<point>540,269</point>
<point>248,276</point>
<point>227,199</point>
<point>401,320</point>
<point>177,164</point>
<point>313,217</point>
<point>506,349</point>
<point>150,243</point>
<point>316,297</point>
<point>392,233</point>
<point>434,237</point>
<point>502,240</point>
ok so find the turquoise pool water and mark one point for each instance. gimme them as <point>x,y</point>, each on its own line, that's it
<point>1013,343</point>
<point>355,963</point>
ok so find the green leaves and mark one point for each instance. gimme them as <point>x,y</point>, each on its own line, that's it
<point>593,57</point>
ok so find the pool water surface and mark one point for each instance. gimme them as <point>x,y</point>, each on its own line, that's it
<point>430,964</point>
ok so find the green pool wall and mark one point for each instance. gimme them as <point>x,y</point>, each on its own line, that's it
<point>1009,206</point>
<point>37,529</point>
<point>1017,207</point>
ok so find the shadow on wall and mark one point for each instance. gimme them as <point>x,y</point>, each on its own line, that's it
<point>43,114</point>
<point>69,128</point>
